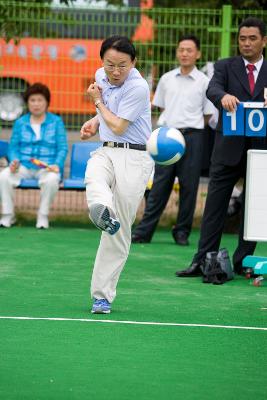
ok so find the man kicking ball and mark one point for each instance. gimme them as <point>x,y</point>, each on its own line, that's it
<point>117,173</point>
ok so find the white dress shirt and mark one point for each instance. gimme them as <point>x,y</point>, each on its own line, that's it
<point>257,66</point>
<point>183,98</point>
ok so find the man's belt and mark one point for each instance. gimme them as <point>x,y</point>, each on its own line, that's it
<point>185,131</point>
<point>132,146</point>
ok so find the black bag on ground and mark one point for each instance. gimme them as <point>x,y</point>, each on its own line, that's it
<point>225,262</point>
<point>217,268</point>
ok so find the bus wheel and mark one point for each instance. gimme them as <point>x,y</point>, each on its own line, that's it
<point>11,101</point>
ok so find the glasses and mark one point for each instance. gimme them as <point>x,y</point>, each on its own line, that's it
<point>112,68</point>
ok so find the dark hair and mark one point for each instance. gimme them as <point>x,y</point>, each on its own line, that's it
<point>255,22</point>
<point>119,43</point>
<point>37,88</point>
<point>190,37</point>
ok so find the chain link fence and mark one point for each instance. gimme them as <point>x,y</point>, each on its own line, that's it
<point>59,46</point>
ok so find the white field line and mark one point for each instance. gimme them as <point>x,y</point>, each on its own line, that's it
<point>109,321</point>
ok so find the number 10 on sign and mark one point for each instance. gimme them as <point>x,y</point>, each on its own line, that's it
<point>249,119</point>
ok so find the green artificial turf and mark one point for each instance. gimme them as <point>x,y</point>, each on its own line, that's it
<point>46,274</point>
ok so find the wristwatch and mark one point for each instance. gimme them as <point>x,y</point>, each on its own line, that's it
<point>97,102</point>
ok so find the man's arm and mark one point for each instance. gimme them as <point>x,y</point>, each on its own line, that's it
<point>89,128</point>
<point>116,124</point>
<point>216,90</point>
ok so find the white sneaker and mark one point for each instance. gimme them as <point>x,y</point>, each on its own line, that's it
<point>42,221</point>
<point>7,220</point>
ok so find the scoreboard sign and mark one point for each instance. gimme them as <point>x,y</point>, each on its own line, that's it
<point>249,119</point>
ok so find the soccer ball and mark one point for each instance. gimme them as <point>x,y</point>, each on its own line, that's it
<point>166,145</point>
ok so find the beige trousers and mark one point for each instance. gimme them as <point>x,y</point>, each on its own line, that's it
<point>117,178</point>
<point>48,182</point>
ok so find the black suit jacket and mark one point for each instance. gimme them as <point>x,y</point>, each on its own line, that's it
<point>230,77</point>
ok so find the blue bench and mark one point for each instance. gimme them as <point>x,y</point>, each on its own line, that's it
<point>80,153</point>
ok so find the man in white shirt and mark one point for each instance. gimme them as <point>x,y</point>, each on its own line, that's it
<point>117,173</point>
<point>181,95</point>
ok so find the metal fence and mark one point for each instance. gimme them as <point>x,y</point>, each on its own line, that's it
<point>60,47</point>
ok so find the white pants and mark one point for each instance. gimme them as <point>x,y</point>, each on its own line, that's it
<point>48,182</point>
<point>117,178</point>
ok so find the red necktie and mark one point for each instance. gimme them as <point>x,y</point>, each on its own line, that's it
<point>251,78</point>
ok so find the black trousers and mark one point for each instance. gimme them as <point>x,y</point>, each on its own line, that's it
<point>222,181</point>
<point>187,169</point>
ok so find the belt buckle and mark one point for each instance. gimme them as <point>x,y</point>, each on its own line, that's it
<point>111,144</point>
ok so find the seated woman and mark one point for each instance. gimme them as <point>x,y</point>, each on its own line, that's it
<point>38,135</point>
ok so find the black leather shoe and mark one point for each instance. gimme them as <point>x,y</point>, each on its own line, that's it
<point>139,239</point>
<point>239,270</point>
<point>180,238</point>
<point>192,271</point>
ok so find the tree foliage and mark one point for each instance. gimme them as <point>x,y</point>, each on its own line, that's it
<point>11,29</point>
<point>237,4</point>
<point>244,4</point>
<point>9,26</point>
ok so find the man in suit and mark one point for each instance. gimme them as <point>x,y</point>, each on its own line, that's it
<point>236,79</point>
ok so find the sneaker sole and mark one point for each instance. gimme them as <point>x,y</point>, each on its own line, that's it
<point>100,312</point>
<point>100,216</point>
<point>111,225</point>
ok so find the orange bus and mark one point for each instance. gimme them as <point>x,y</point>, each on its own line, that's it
<point>65,55</point>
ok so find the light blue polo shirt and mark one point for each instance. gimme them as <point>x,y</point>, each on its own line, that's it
<point>130,101</point>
